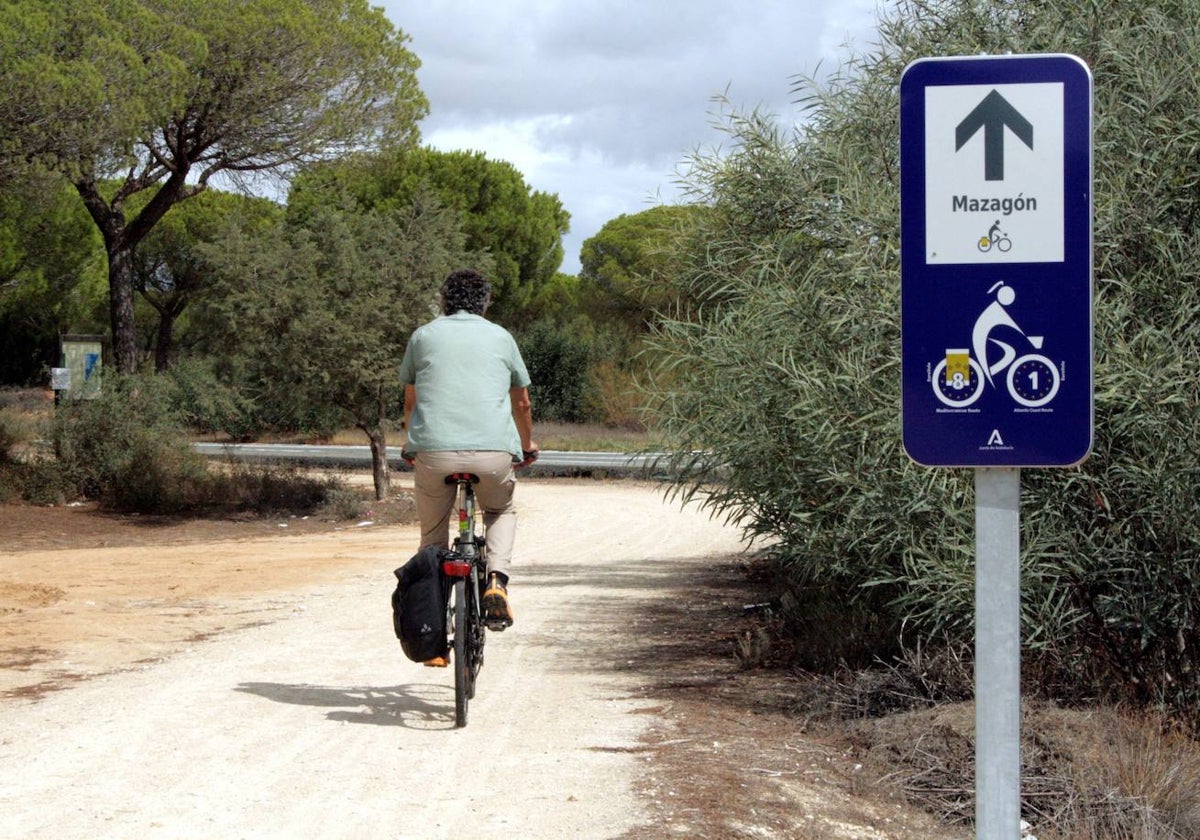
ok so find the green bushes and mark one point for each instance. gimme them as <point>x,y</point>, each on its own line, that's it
<point>208,404</point>
<point>127,449</point>
<point>786,367</point>
<point>558,361</point>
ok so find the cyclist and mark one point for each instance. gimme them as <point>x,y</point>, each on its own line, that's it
<point>994,231</point>
<point>994,316</point>
<point>467,409</point>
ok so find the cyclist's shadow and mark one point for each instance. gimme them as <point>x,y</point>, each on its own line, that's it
<point>415,706</point>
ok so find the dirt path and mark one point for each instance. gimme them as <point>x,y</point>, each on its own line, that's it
<point>252,688</point>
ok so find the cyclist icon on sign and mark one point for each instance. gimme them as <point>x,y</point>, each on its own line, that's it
<point>995,238</point>
<point>959,378</point>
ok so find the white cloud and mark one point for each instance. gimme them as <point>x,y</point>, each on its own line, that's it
<point>521,142</point>
<point>599,101</point>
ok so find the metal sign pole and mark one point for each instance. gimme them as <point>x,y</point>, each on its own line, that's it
<point>997,654</point>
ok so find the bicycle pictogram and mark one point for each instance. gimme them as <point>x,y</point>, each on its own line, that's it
<point>1032,379</point>
<point>994,238</point>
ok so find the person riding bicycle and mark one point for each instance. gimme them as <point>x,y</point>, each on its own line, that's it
<point>993,231</point>
<point>467,409</point>
<point>993,317</point>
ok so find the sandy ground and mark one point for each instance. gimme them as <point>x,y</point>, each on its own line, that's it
<point>202,680</point>
<point>268,697</point>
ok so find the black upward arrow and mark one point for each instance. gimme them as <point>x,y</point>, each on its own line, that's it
<point>992,115</point>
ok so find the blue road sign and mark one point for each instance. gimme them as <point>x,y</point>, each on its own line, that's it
<point>996,261</point>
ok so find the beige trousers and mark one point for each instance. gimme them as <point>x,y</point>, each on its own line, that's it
<point>494,493</point>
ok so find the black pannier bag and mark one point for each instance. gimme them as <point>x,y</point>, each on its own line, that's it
<point>419,606</point>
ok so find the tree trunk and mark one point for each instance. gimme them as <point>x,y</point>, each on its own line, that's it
<point>379,464</point>
<point>166,332</point>
<point>120,299</point>
<point>120,238</point>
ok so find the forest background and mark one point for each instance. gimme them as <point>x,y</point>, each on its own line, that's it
<point>758,320</point>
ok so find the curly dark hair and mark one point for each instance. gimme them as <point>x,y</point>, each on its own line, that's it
<point>466,290</point>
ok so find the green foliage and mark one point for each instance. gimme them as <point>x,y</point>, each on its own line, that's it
<point>208,83</point>
<point>312,318</point>
<point>318,315</point>
<point>626,277</point>
<point>127,448</point>
<point>51,279</point>
<point>559,301</point>
<point>82,80</point>
<point>785,367</point>
<point>499,214</point>
<point>170,270</point>
<point>625,269</point>
<point>558,365</point>
<point>164,96</point>
<point>208,404</point>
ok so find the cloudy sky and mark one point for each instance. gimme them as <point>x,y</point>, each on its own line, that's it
<point>600,101</point>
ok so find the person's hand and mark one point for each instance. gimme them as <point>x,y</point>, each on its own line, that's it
<point>529,456</point>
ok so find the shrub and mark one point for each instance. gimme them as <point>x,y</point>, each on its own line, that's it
<point>207,404</point>
<point>12,433</point>
<point>785,367</point>
<point>613,397</point>
<point>22,413</point>
<point>343,503</point>
<point>126,448</point>
<point>280,489</point>
<point>558,361</point>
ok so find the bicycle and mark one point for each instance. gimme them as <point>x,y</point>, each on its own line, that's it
<point>1032,379</point>
<point>1001,242</point>
<point>959,378</point>
<point>464,573</point>
<point>994,238</point>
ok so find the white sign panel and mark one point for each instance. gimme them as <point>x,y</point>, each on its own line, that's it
<point>994,173</point>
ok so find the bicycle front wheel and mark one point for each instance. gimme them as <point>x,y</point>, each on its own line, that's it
<point>462,654</point>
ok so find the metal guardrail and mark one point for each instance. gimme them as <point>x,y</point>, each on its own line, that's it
<point>360,456</point>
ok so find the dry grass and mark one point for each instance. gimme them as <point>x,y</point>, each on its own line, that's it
<point>1135,775</point>
<point>1087,774</point>
<point>24,412</point>
<point>586,437</point>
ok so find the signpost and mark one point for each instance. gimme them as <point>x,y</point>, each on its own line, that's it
<point>996,329</point>
<point>82,362</point>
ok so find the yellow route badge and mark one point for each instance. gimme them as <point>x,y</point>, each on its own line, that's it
<point>958,364</point>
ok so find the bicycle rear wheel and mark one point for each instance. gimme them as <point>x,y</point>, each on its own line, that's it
<point>462,653</point>
<point>475,632</point>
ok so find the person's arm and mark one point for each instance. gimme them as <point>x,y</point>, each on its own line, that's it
<point>410,402</point>
<point>522,412</point>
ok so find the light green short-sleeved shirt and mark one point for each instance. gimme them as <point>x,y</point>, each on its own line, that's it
<point>463,367</point>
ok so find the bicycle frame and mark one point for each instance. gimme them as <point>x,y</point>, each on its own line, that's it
<point>466,558</point>
<point>463,569</point>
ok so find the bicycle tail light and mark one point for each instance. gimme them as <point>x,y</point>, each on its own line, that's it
<point>456,568</point>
